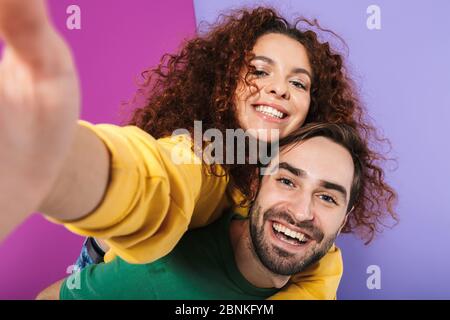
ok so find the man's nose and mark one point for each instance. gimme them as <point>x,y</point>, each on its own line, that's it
<point>301,207</point>
<point>278,87</point>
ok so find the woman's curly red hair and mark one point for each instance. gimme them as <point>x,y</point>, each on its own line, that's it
<point>199,83</point>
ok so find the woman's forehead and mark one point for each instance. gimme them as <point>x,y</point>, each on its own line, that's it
<point>282,49</point>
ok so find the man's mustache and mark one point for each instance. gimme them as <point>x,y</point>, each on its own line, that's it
<point>308,226</point>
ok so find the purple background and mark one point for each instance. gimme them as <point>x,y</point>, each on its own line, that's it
<point>403,73</point>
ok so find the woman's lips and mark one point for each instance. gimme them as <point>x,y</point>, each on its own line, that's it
<point>269,118</point>
<point>273,105</point>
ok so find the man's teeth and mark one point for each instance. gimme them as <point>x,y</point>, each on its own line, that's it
<point>270,111</point>
<point>291,233</point>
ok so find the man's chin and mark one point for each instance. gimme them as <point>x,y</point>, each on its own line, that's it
<point>298,264</point>
<point>281,264</point>
<point>284,262</point>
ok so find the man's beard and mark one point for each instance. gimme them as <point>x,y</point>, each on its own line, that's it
<point>278,260</point>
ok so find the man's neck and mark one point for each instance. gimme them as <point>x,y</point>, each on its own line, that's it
<point>248,262</point>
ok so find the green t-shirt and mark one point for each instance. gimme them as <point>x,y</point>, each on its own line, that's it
<point>201,266</point>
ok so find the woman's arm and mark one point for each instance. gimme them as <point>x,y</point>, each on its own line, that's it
<point>105,181</point>
<point>82,181</point>
<point>45,158</point>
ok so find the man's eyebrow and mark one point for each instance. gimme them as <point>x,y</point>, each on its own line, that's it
<point>271,62</point>
<point>334,186</point>
<point>302,173</point>
<point>295,171</point>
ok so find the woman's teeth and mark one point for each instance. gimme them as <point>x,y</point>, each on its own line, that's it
<point>272,112</point>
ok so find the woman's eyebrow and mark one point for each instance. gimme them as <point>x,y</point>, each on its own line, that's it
<point>293,71</point>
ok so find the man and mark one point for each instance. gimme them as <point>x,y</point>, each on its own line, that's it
<point>299,210</point>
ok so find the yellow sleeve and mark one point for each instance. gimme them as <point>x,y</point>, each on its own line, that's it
<point>150,200</point>
<point>318,282</point>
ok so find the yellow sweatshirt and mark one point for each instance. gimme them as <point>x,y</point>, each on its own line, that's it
<point>151,201</point>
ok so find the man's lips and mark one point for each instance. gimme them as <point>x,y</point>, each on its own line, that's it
<point>308,235</point>
<point>283,241</point>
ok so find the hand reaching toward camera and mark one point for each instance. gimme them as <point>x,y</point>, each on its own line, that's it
<point>39,106</point>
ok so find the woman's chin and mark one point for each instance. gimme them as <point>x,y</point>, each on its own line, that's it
<point>265,134</point>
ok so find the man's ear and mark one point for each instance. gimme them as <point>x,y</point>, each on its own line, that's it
<point>345,220</point>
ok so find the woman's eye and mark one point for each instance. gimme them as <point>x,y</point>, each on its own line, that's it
<point>328,199</point>
<point>259,73</point>
<point>286,182</point>
<point>299,85</point>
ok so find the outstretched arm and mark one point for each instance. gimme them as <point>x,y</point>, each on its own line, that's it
<point>44,154</point>
<point>105,181</point>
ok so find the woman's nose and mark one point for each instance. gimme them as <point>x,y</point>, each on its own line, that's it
<point>279,88</point>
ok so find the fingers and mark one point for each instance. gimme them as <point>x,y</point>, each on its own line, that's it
<point>21,17</point>
<point>24,27</point>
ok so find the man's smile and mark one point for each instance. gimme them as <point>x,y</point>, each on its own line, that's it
<point>287,237</point>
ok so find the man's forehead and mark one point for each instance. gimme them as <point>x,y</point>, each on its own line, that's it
<point>319,158</point>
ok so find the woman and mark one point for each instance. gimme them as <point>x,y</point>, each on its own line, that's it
<point>132,195</point>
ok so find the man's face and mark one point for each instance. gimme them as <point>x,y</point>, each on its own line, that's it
<point>301,207</point>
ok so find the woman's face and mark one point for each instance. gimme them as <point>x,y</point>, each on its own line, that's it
<point>283,76</point>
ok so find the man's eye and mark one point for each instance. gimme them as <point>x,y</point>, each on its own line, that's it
<point>286,182</point>
<point>328,198</point>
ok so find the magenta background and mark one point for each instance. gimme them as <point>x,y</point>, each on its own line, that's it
<point>117,41</point>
